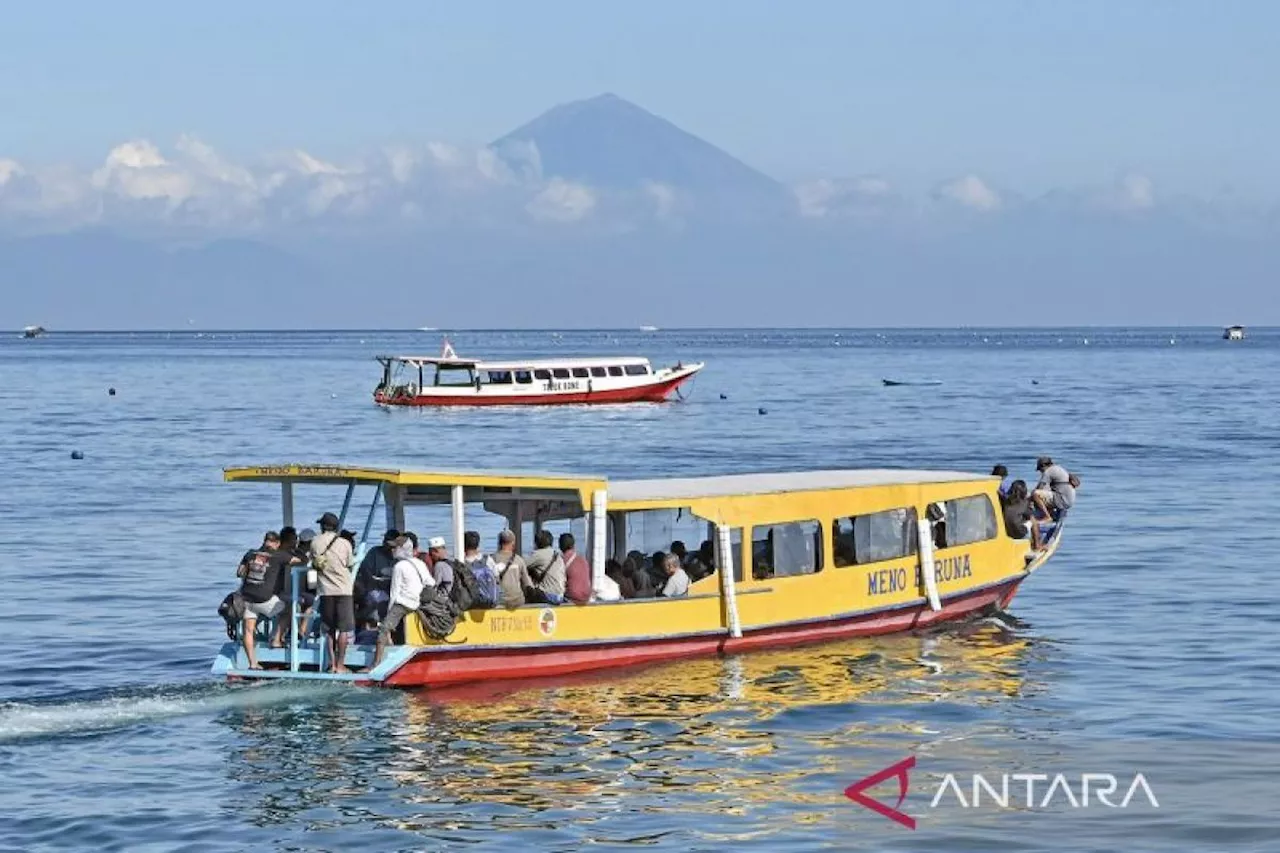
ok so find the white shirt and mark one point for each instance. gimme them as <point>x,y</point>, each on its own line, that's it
<point>677,585</point>
<point>608,590</point>
<point>408,578</point>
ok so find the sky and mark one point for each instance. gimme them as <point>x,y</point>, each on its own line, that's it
<point>1033,94</point>
<point>159,161</point>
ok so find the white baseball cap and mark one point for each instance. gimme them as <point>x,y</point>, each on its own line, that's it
<point>435,542</point>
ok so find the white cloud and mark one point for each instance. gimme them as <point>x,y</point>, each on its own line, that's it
<point>562,201</point>
<point>10,170</point>
<point>829,196</point>
<point>137,170</point>
<point>971,192</point>
<point>1132,192</point>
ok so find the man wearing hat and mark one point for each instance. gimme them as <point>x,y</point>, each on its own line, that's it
<point>332,557</point>
<point>1054,492</point>
<point>441,565</point>
<point>373,579</point>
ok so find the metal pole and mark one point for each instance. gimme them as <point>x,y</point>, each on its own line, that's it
<point>458,522</point>
<point>373,506</point>
<point>599,524</point>
<point>927,569</point>
<point>298,573</point>
<point>346,504</point>
<point>286,503</point>
<point>728,588</point>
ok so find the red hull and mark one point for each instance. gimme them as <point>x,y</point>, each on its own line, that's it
<point>655,393</point>
<point>481,664</point>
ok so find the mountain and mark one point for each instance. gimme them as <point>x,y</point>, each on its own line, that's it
<point>608,142</point>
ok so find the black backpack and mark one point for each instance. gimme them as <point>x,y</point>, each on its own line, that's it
<point>439,616</point>
<point>232,611</point>
<point>463,592</point>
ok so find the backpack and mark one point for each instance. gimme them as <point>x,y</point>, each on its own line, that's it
<point>1074,481</point>
<point>232,611</point>
<point>485,584</point>
<point>439,617</point>
<point>463,591</point>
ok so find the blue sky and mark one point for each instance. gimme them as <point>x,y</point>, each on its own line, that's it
<point>1033,95</point>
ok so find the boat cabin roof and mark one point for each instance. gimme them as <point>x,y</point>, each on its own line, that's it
<point>512,364</point>
<point>429,485</point>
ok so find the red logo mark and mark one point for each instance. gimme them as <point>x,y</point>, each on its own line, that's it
<point>900,770</point>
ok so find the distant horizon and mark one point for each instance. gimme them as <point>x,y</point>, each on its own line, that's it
<point>637,330</point>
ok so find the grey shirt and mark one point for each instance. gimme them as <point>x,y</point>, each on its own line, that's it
<point>1056,479</point>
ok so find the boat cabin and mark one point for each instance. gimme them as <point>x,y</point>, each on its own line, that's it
<point>1233,333</point>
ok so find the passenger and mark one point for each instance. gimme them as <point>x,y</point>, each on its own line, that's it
<point>332,557</point>
<point>1003,473</point>
<point>677,584</point>
<point>367,635</point>
<point>658,570</point>
<point>409,577</point>
<point>471,552</point>
<point>678,548</point>
<point>513,575</point>
<point>284,583</point>
<point>611,584</point>
<point>641,581</point>
<point>577,572</point>
<point>546,568</point>
<point>1054,494</point>
<point>441,565</point>
<point>372,587</point>
<point>1018,515</point>
<point>260,588</point>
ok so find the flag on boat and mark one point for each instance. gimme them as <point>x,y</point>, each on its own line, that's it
<point>448,352</point>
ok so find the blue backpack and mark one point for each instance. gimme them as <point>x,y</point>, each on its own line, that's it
<point>486,583</point>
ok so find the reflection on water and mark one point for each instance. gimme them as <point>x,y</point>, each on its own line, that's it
<point>724,748</point>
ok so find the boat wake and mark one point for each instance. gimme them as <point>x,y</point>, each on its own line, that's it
<point>65,715</point>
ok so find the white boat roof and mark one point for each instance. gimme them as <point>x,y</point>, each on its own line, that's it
<point>519,364</point>
<point>758,484</point>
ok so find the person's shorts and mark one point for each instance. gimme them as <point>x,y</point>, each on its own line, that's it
<point>396,614</point>
<point>338,613</point>
<point>1052,498</point>
<point>255,610</point>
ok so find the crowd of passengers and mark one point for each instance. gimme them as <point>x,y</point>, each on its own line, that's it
<point>368,604</point>
<point>1026,509</point>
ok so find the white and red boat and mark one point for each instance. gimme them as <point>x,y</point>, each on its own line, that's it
<point>449,380</point>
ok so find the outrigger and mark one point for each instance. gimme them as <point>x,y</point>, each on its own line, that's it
<point>448,380</point>
<point>799,558</point>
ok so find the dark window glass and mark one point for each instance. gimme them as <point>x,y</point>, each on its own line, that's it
<point>615,371</point>
<point>541,374</point>
<point>581,372</point>
<point>598,371</point>
<point>874,537</point>
<point>637,370</point>
<point>560,373</point>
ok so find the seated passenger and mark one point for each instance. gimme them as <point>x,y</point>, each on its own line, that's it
<point>372,586</point>
<point>1018,516</point>
<point>513,575</point>
<point>577,572</point>
<point>409,577</point>
<point>471,553</point>
<point>611,587</point>
<point>641,582</point>
<point>658,570</point>
<point>367,631</point>
<point>1003,473</point>
<point>441,565</point>
<point>546,567</point>
<point>1054,493</point>
<point>677,584</point>
<point>681,552</point>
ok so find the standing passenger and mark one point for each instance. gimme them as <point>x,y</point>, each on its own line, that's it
<point>577,572</point>
<point>332,557</point>
<point>409,577</point>
<point>259,589</point>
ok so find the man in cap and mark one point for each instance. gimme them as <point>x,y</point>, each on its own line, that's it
<point>441,565</point>
<point>260,588</point>
<point>332,557</point>
<point>1054,493</point>
<point>372,588</point>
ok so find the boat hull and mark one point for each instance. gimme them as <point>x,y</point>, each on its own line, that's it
<point>442,666</point>
<point>655,392</point>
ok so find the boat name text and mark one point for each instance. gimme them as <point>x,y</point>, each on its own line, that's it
<point>886,581</point>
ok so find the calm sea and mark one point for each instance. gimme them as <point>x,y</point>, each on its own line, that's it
<point>1152,634</point>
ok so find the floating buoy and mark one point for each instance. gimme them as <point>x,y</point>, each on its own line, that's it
<point>111,392</point>
<point>762,410</point>
<point>1035,381</point>
<point>77,454</point>
<point>333,396</point>
<point>724,396</point>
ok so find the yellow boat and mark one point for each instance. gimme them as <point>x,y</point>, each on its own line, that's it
<point>798,558</point>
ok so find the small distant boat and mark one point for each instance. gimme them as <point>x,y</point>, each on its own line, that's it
<point>1233,333</point>
<point>648,328</point>
<point>896,382</point>
<point>427,329</point>
<point>449,380</point>
<point>33,331</point>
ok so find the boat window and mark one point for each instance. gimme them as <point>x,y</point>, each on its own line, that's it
<point>523,377</point>
<point>875,536</point>
<point>454,376</point>
<point>970,519</point>
<point>637,369</point>
<point>541,374</point>
<point>560,373</point>
<point>599,371</point>
<point>782,550</point>
<point>499,377</point>
<point>615,370</point>
<point>581,372</point>
<point>647,532</point>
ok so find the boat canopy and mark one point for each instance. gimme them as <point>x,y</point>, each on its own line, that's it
<point>510,364</point>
